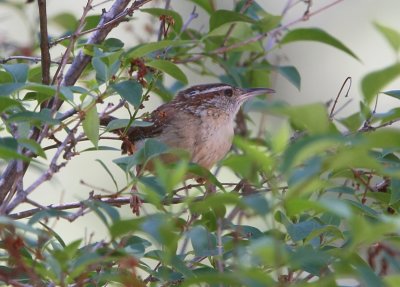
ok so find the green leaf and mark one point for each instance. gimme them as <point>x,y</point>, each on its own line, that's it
<point>20,225</point>
<point>36,118</point>
<point>393,93</point>
<point>148,48</point>
<point>150,149</point>
<point>122,227</point>
<point>169,68</point>
<point>372,83</point>
<point>291,74</point>
<point>203,242</point>
<point>269,22</point>
<point>19,72</point>
<point>159,12</point>
<point>8,89</point>
<point>317,35</point>
<point>300,231</point>
<point>113,44</point>
<point>391,35</point>
<point>129,90</point>
<point>66,20</point>
<point>6,103</point>
<point>123,123</point>
<point>8,149</point>
<point>108,172</point>
<point>395,190</point>
<point>221,17</point>
<point>91,125</point>
<point>32,146</point>
<point>258,203</point>
<point>207,5</point>
<point>312,118</point>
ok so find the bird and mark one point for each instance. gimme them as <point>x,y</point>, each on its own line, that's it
<point>199,120</point>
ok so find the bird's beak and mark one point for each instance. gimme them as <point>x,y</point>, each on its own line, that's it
<point>249,93</point>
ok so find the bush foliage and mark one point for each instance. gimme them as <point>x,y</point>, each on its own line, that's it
<point>315,202</point>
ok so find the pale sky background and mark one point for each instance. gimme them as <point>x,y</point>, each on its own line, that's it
<point>323,70</point>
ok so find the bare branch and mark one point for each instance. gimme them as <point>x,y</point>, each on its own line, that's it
<point>348,80</point>
<point>108,21</point>
<point>44,42</point>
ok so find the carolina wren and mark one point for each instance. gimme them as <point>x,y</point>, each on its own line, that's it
<point>199,120</point>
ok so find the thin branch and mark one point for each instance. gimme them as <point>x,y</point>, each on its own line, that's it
<point>53,168</point>
<point>120,201</point>
<point>44,42</point>
<point>162,23</point>
<point>109,20</point>
<point>25,58</point>
<point>348,80</point>
<point>220,246</point>
<point>246,6</point>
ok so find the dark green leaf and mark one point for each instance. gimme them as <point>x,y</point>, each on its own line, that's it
<point>101,69</point>
<point>317,35</point>
<point>203,242</point>
<point>291,74</point>
<point>8,149</point>
<point>129,90</point>
<point>18,71</point>
<point>374,82</point>
<point>8,89</point>
<point>221,17</point>
<point>300,231</point>
<point>393,93</point>
<point>395,190</point>
<point>123,123</point>
<point>169,68</point>
<point>113,44</point>
<point>37,118</point>
<point>32,146</point>
<point>258,203</point>
<point>91,125</point>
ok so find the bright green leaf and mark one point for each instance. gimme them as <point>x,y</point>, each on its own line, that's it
<point>374,82</point>
<point>207,5</point>
<point>221,17</point>
<point>169,68</point>
<point>391,35</point>
<point>317,35</point>
<point>91,125</point>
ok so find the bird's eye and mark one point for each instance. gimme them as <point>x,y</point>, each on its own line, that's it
<point>228,93</point>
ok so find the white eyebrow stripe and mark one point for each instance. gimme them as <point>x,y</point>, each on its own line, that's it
<point>215,89</point>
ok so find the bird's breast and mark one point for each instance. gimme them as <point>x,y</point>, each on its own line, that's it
<point>213,139</point>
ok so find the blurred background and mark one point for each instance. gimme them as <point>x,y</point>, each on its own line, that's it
<point>323,70</point>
